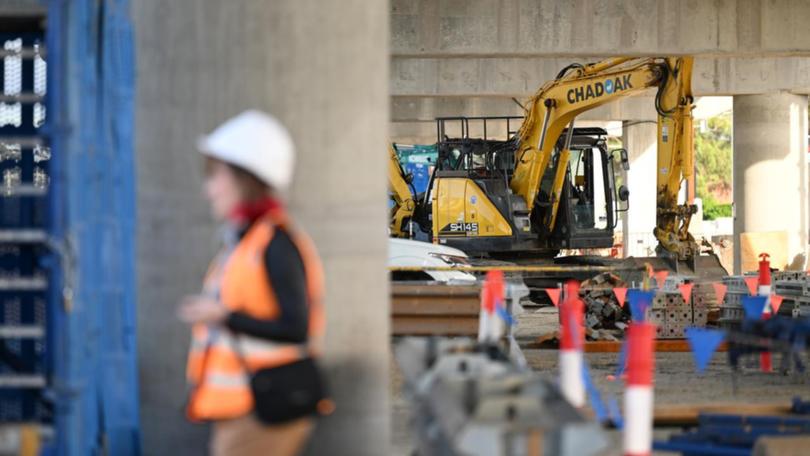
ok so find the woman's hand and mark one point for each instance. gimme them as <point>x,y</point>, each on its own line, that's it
<point>200,309</point>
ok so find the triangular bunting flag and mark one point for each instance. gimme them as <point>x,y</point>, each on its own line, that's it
<point>554,295</point>
<point>776,303</point>
<point>650,270</point>
<point>686,291</point>
<point>720,292</point>
<point>752,283</point>
<point>621,294</point>
<point>753,306</point>
<point>639,302</point>
<point>661,278</point>
<point>703,342</point>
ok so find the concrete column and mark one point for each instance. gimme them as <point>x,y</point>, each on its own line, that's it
<point>770,170</point>
<point>640,140</point>
<point>322,68</point>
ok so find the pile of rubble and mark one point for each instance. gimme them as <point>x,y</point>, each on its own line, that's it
<point>603,313</point>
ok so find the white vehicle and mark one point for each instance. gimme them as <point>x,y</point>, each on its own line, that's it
<point>407,252</point>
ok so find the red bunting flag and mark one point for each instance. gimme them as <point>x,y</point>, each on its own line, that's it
<point>686,291</point>
<point>661,277</point>
<point>554,295</point>
<point>720,291</point>
<point>752,283</point>
<point>621,294</point>
<point>776,303</point>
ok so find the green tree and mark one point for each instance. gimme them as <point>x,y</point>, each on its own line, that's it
<point>713,163</point>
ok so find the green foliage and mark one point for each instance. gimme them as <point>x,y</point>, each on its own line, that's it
<point>712,209</point>
<point>713,163</point>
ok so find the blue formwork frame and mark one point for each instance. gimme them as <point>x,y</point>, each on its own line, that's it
<point>89,125</point>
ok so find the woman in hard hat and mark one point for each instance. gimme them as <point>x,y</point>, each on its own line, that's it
<point>259,319</point>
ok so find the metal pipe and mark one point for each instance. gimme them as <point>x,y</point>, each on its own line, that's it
<point>22,98</point>
<point>609,63</point>
<point>22,141</point>
<point>26,52</point>
<point>569,135</point>
<point>549,105</point>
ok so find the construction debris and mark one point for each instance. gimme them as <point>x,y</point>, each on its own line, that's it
<point>603,312</point>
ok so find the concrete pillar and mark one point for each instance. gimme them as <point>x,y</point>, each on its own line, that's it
<point>322,68</point>
<point>640,140</point>
<point>770,171</point>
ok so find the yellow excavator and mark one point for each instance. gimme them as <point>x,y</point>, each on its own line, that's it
<point>402,196</point>
<point>550,186</point>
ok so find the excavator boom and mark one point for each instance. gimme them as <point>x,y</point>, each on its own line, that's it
<point>580,88</point>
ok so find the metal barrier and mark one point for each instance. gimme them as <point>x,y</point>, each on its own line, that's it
<point>26,352</point>
<point>68,373</point>
<point>91,76</point>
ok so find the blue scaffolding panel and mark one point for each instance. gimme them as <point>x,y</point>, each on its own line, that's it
<point>67,228</point>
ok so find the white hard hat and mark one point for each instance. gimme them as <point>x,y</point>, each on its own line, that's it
<point>256,142</point>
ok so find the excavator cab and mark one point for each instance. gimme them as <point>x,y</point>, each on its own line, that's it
<point>590,200</point>
<point>473,208</point>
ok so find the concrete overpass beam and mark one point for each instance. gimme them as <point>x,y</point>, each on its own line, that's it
<point>521,76</point>
<point>427,108</point>
<point>585,28</point>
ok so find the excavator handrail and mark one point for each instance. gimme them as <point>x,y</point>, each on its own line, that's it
<point>465,122</point>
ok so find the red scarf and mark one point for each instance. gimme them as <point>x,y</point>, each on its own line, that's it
<point>248,212</point>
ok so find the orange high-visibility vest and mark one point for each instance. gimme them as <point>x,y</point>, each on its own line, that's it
<point>221,387</point>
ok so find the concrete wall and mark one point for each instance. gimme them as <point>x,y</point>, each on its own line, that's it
<point>640,140</point>
<point>414,116</point>
<point>322,67</point>
<point>603,27</point>
<point>425,88</point>
<point>522,76</point>
<point>499,49</point>
<point>770,171</point>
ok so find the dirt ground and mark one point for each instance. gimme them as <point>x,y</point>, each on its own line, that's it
<point>675,380</point>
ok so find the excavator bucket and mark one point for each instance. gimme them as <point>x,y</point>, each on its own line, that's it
<point>703,268</point>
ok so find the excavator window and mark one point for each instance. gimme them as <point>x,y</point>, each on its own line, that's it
<point>588,188</point>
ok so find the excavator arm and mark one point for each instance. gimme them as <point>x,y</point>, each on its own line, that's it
<point>580,88</point>
<point>404,203</point>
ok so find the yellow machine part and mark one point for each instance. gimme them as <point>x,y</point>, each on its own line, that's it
<point>462,209</point>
